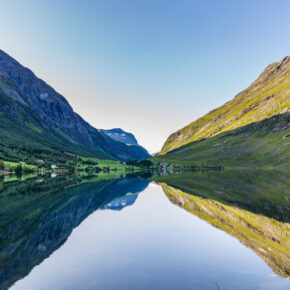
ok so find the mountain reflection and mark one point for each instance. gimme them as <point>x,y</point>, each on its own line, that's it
<point>36,218</point>
<point>37,215</point>
<point>253,207</point>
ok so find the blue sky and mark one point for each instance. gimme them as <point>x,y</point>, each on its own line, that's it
<point>149,67</point>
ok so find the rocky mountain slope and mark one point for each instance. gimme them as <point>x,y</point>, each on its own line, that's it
<point>28,103</point>
<point>254,121</point>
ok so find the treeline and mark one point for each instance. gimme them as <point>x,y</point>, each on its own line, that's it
<point>32,155</point>
<point>140,163</point>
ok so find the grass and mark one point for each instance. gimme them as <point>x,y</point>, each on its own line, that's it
<point>104,163</point>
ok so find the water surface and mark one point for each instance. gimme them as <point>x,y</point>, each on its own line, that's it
<point>192,231</point>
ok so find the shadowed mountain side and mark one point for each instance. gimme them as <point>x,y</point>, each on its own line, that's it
<point>263,143</point>
<point>36,218</point>
<point>46,115</point>
<point>121,136</point>
<point>267,237</point>
<point>128,139</point>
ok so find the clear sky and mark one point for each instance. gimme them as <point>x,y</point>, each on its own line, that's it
<point>147,66</point>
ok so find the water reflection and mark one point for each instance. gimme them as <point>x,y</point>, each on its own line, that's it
<point>37,215</point>
<point>253,207</point>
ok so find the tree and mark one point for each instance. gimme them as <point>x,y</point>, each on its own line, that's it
<point>70,165</point>
<point>2,165</point>
<point>18,169</point>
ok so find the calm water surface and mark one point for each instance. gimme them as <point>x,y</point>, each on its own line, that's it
<point>132,233</point>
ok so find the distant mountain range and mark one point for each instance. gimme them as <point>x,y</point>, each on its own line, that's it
<point>34,117</point>
<point>122,136</point>
<point>253,128</point>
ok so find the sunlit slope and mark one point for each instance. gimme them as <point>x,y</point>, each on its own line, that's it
<point>269,95</point>
<point>263,143</point>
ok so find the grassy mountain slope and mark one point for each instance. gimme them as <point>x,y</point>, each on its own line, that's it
<point>27,143</point>
<point>263,143</point>
<point>268,96</point>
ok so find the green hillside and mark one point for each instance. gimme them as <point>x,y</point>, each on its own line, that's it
<point>25,143</point>
<point>267,97</point>
<point>263,143</point>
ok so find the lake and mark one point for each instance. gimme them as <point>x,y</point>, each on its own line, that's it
<point>198,230</point>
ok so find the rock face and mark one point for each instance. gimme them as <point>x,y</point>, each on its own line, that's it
<point>28,99</point>
<point>269,95</point>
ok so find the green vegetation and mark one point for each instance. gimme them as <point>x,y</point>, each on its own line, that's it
<point>264,143</point>
<point>216,135</point>
<point>19,142</point>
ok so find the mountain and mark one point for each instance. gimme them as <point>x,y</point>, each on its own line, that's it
<point>121,136</point>
<point>35,117</point>
<point>252,126</point>
<point>127,138</point>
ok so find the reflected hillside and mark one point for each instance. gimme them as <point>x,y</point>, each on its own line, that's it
<point>261,192</point>
<point>252,207</point>
<point>37,216</point>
